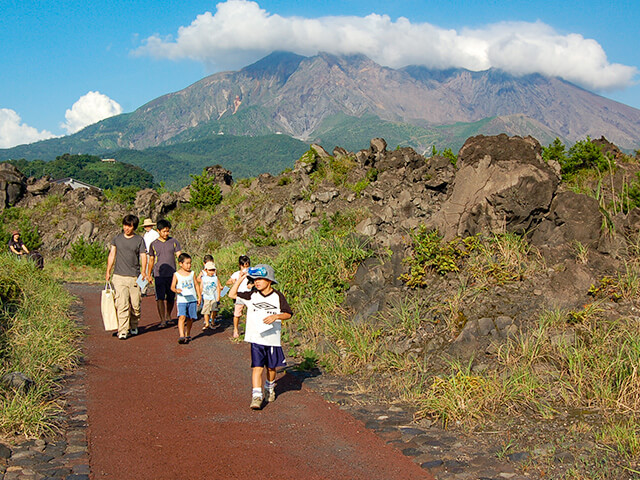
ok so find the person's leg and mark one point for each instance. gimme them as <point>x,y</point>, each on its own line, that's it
<point>161,315</point>
<point>123,304</point>
<point>171,301</point>
<point>161,296</point>
<point>181,322</point>
<point>135,295</point>
<point>256,377</point>
<point>237,313</point>
<point>187,329</point>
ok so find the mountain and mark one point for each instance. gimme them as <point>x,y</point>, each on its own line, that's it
<point>346,100</point>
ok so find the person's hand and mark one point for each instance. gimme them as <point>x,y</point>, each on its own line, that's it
<point>270,319</point>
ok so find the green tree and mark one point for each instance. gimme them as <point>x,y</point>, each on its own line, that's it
<point>555,151</point>
<point>204,191</point>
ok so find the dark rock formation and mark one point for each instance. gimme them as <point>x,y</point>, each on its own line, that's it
<point>502,184</point>
<point>13,185</point>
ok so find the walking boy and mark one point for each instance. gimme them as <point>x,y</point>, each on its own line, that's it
<point>243,263</point>
<point>189,296</point>
<point>128,254</point>
<point>266,308</point>
<point>210,287</point>
<point>162,263</point>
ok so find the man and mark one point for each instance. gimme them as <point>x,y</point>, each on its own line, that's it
<point>150,234</point>
<point>127,258</point>
<point>162,265</point>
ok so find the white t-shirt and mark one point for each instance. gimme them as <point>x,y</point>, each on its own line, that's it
<point>188,287</point>
<point>210,287</point>
<point>149,237</point>
<point>243,286</point>
<point>260,307</point>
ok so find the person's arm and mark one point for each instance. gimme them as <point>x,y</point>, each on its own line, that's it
<point>233,293</point>
<point>12,249</point>
<point>174,282</point>
<point>150,264</point>
<point>198,291</point>
<point>110,261</point>
<point>143,263</point>
<point>24,247</point>
<point>219,289</point>
<point>278,316</point>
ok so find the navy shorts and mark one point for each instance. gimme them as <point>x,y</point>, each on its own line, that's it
<point>267,356</point>
<point>189,310</point>
<point>163,288</point>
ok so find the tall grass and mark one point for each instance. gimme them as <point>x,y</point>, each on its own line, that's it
<point>39,339</point>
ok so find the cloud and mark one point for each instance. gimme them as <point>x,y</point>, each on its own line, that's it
<point>13,132</point>
<point>240,32</point>
<point>89,109</point>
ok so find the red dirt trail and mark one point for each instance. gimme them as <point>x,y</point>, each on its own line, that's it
<point>159,410</point>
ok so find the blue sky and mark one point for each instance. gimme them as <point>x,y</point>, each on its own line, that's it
<point>66,63</point>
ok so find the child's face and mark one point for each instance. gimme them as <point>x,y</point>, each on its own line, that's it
<point>262,284</point>
<point>186,264</point>
<point>211,273</point>
<point>164,234</point>
<point>245,266</point>
<point>128,229</point>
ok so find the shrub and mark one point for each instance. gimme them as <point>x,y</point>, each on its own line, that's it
<point>583,155</point>
<point>123,195</point>
<point>92,254</point>
<point>204,191</point>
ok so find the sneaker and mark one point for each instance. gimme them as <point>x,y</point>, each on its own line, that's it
<point>163,324</point>
<point>271,395</point>
<point>256,403</point>
<point>133,332</point>
<point>122,336</point>
<point>182,340</point>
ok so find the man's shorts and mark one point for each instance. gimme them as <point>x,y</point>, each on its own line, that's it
<point>189,310</point>
<point>267,356</point>
<point>163,288</point>
<point>237,309</point>
<point>209,306</point>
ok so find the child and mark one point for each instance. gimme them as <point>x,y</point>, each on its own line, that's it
<point>188,297</point>
<point>162,265</point>
<point>244,263</point>
<point>210,288</point>
<point>266,308</point>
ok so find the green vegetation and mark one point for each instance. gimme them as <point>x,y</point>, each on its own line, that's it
<point>243,156</point>
<point>89,169</point>
<point>17,218</point>
<point>37,338</point>
<point>91,254</point>
<point>205,193</point>
<point>583,155</point>
<point>447,153</point>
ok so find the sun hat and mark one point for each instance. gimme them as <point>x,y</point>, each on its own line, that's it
<point>262,271</point>
<point>15,232</point>
<point>148,223</point>
<point>209,266</point>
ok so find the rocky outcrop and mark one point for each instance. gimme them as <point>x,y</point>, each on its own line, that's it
<point>502,184</point>
<point>13,185</point>
<point>572,218</point>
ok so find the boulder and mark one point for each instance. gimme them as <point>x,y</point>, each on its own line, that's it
<point>13,185</point>
<point>221,176</point>
<point>502,184</point>
<point>147,204</point>
<point>573,217</point>
<point>38,186</point>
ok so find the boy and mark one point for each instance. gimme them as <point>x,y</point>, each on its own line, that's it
<point>128,254</point>
<point>244,263</point>
<point>266,308</point>
<point>210,288</point>
<point>162,264</point>
<point>188,297</point>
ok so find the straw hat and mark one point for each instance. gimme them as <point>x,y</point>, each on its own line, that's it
<point>148,223</point>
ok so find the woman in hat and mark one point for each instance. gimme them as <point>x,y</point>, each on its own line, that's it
<point>15,244</point>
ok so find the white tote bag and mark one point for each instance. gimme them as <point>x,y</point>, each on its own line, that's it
<point>108,308</point>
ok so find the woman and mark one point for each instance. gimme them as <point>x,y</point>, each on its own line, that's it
<point>15,244</point>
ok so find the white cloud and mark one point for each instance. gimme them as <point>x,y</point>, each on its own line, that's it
<point>13,132</point>
<point>240,32</point>
<point>89,109</point>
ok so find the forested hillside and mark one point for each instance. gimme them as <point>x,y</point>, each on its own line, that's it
<point>90,169</point>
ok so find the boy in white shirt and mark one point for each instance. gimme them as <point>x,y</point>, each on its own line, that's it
<point>266,308</point>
